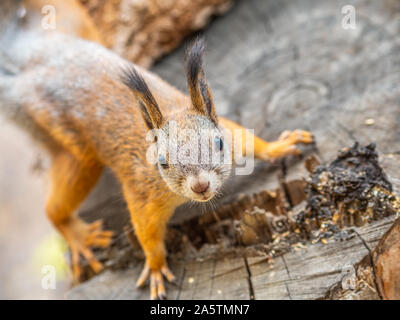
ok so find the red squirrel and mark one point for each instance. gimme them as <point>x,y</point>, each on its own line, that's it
<point>89,108</point>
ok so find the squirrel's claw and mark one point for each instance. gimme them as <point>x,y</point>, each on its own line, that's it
<point>168,274</point>
<point>76,265</point>
<point>143,277</point>
<point>157,288</point>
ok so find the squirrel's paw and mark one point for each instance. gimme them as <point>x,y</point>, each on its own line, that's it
<point>297,136</point>
<point>80,236</point>
<point>157,288</point>
<point>289,140</point>
<point>286,145</point>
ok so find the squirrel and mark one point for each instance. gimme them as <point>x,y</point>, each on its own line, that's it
<point>90,109</point>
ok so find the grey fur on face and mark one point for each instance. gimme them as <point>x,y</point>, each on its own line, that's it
<point>188,153</point>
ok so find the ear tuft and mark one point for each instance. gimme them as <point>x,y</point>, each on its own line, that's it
<point>133,80</point>
<point>194,60</point>
<point>199,90</point>
<point>148,105</point>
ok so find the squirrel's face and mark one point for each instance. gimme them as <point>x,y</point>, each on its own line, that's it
<point>193,158</point>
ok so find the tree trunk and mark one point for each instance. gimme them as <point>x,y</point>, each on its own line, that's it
<point>144,30</point>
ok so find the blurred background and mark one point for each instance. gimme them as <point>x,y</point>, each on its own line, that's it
<point>27,240</point>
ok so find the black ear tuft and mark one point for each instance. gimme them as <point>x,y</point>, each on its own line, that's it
<point>131,78</point>
<point>194,60</point>
<point>199,90</point>
<point>148,105</point>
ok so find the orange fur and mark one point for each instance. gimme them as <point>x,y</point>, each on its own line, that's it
<point>286,145</point>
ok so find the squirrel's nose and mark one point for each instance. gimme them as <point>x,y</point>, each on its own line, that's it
<point>200,187</point>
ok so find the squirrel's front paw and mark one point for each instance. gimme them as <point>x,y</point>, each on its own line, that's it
<point>157,288</point>
<point>285,145</point>
<point>289,140</point>
<point>297,136</point>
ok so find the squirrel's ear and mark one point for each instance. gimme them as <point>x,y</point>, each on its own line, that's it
<point>199,90</point>
<point>148,106</point>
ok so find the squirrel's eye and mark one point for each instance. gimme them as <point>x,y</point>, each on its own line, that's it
<point>219,143</point>
<point>162,161</point>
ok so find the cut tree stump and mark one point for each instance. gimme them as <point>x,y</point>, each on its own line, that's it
<point>280,65</point>
<point>305,274</point>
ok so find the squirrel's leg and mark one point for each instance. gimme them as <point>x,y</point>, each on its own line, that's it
<point>72,180</point>
<point>149,218</point>
<point>285,145</point>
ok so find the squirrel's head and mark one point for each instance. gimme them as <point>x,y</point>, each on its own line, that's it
<point>192,155</point>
